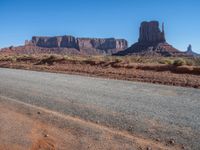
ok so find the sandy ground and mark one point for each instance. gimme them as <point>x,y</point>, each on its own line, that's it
<point>28,129</point>
<point>146,73</point>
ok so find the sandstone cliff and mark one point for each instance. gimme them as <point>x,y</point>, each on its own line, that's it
<point>84,45</point>
<point>150,33</point>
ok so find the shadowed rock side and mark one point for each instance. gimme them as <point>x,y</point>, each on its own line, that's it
<point>151,42</point>
<point>150,33</point>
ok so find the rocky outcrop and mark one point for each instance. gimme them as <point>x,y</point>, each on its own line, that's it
<point>54,42</point>
<point>85,45</point>
<point>151,42</point>
<point>191,52</point>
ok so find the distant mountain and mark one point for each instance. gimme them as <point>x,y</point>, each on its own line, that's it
<point>191,52</point>
<point>151,42</point>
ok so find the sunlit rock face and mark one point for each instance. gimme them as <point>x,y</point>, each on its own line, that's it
<point>101,45</point>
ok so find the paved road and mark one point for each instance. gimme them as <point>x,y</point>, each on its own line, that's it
<point>156,111</point>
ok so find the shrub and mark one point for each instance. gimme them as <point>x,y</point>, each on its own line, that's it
<point>189,63</point>
<point>25,58</point>
<point>166,61</point>
<point>8,58</point>
<point>48,60</point>
<point>179,62</point>
<point>197,61</point>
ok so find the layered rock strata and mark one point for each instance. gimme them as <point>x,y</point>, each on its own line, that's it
<point>101,45</point>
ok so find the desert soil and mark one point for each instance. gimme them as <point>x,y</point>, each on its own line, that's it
<point>143,73</point>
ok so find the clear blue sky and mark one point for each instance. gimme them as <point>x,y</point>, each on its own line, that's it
<point>21,19</point>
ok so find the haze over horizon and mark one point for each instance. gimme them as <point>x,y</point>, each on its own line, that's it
<point>22,19</point>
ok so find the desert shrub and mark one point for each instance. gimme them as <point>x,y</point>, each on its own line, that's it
<point>189,62</point>
<point>25,58</point>
<point>6,58</point>
<point>166,61</point>
<point>196,61</point>
<point>48,60</point>
<point>11,58</point>
<point>117,59</point>
<point>179,62</point>
<point>107,58</point>
<point>134,59</point>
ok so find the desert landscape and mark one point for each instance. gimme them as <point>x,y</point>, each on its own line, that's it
<point>63,91</point>
<point>151,59</point>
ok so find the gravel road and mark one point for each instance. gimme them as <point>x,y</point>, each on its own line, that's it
<point>161,112</point>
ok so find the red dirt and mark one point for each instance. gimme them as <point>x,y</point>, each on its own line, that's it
<point>162,74</point>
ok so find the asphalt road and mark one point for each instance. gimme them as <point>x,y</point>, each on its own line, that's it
<point>157,111</point>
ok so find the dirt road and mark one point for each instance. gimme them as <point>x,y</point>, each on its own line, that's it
<point>94,113</point>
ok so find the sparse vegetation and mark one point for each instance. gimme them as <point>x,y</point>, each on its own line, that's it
<point>50,59</point>
<point>179,62</point>
<point>166,61</point>
<point>196,61</point>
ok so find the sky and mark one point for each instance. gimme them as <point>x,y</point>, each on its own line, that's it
<point>22,19</point>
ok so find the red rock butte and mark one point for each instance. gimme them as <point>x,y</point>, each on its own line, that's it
<point>151,41</point>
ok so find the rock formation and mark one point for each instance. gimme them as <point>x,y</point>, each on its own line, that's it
<point>151,42</point>
<point>150,33</point>
<point>191,52</point>
<point>102,44</point>
<point>85,45</point>
<point>53,42</point>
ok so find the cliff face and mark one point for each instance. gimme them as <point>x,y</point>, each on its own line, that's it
<point>151,42</point>
<point>109,45</point>
<point>150,33</point>
<point>102,44</point>
<point>54,42</point>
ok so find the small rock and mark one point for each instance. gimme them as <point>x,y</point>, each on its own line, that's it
<point>172,141</point>
<point>149,148</point>
<point>140,148</point>
<point>38,113</point>
<point>97,121</point>
<point>157,139</point>
<point>46,135</point>
<point>183,147</point>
